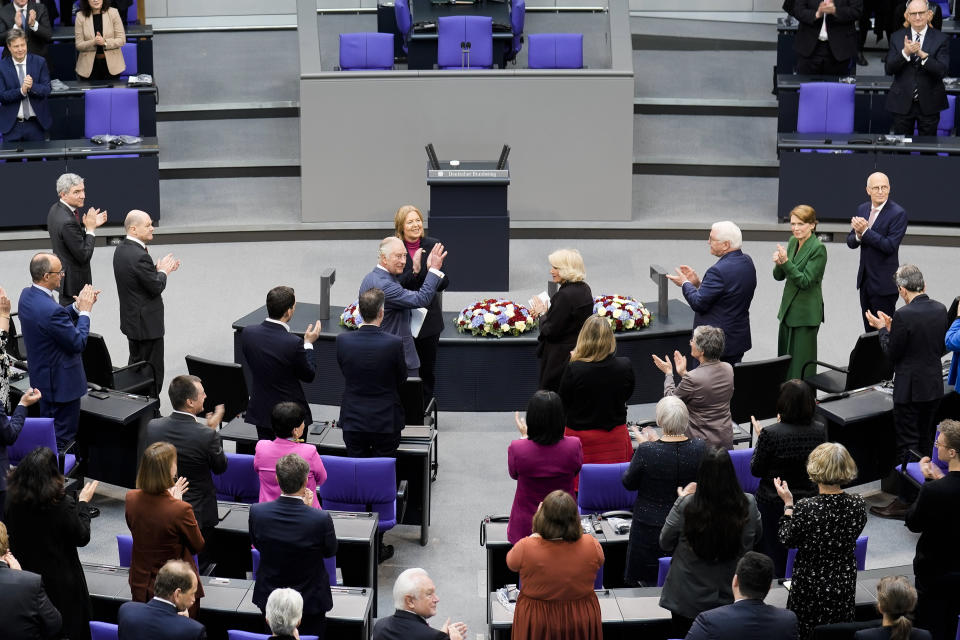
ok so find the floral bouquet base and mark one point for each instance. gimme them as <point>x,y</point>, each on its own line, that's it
<point>622,312</point>
<point>495,317</point>
<point>351,318</point>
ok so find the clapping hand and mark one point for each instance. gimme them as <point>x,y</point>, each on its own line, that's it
<point>930,471</point>
<point>179,488</point>
<point>859,224</point>
<point>30,397</point>
<point>11,561</point>
<point>663,364</point>
<point>435,259</point>
<point>94,218</point>
<point>86,298</point>
<point>521,424</point>
<point>168,264</point>
<point>882,322</point>
<point>308,497</point>
<point>215,417</point>
<point>780,255</point>
<point>680,363</point>
<point>4,303</point>
<point>417,260</point>
<point>783,490</point>
<point>86,494</point>
<point>688,490</point>
<point>99,40</point>
<point>456,631</point>
<point>312,332</point>
<point>537,306</point>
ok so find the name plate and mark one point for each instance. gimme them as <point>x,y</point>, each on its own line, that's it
<point>468,173</point>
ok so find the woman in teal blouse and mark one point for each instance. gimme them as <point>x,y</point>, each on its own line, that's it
<point>802,265</point>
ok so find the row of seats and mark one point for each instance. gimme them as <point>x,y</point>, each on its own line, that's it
<point>108,631</point>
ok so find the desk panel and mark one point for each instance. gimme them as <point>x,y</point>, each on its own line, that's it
<point>109,435</point>
<point>68,108</point>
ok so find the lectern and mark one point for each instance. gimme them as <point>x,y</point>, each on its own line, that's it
<point>469,215</point>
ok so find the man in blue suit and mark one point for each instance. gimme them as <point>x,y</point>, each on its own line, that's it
<point>400,302</point>
<point>748,618</point>
<point>722,299</point>
<point>175,591</point>
<point>278,361</point>
<point>24,87</point>
<point>877,230</point>
<point>374,369</point>
<point>293,539</point>
<point>56,337</point>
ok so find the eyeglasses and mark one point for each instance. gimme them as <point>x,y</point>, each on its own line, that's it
<point>882,187</point>
<point>60,273</point>
<point>939,444</point>
<point>917,14</point>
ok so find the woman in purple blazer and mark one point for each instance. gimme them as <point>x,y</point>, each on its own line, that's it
<point>541,461</point>
<point>287,422</point>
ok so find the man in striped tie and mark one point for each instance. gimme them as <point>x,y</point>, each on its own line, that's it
<point>24,87</point>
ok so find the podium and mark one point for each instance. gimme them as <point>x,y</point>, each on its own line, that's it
<point>469,215</point>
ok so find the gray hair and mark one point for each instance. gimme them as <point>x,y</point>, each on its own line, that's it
<point>284,611</point>
<point>672,416</point>
<point>386,242</point>
<point>67,180</point>
<point>909,277</point>
<point>15,33</point>
<point>726,231</point>
<point>710,340</point>
<point>409,583</point>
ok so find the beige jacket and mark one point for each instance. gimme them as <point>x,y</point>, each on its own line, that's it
<point>113,35</point>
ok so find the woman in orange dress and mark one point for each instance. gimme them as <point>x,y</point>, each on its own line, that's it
<point>557,566</point>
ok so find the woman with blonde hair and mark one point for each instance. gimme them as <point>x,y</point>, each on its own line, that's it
<point>896,599</point>
<point>560,323</point>
<point>824,528</point>
<point>595,388</point>
<point>409,226</point>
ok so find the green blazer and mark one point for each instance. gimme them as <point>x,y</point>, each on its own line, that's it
<point>802,303</point>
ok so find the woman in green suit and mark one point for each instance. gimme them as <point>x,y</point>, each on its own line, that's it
<point>801,264</point>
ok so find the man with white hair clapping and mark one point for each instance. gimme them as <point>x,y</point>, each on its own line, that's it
<point>415,597</point>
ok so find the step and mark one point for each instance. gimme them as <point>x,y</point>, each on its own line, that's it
<point>721,140</point>
<point>729,75</point>
<point>692,35</point>
<point>704,199</point>
<point>267,140</point>
<point>230,201</point>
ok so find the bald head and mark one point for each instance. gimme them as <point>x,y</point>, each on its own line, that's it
<point>135,218</point>
<point>139,225</point>
<point>41,265</point>
<point>878,188</point>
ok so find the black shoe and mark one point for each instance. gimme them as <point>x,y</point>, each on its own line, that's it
<point>93,511</point>
<point>879,36</point>
<point>862,61</point>
<point>386,552</point>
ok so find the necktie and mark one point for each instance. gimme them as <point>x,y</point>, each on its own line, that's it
<point>26,100</point>
<point>874,212</point>
<point>23,19</point>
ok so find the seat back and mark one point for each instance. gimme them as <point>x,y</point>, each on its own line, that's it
<point>868,364</point>
<point>756,387</point>
<point>132,13</point>
<point>825,107</point>
<point>111,111</point>
<point>124,548</point>
<point>518,13</point>
<point>663,568</point>
<point>860,552</point>
<point>37,432</point>
<point>366,50</point>
<point>741,465</point>
<point>129,51</point>
<point>601,488</point>
<point>361,484</point>
<point>96,361</point>
<point>475,30</point>
<point>411,396</point>
<point>16,346</point>
<point>555,51</point>
<point>103,631</point>
<point>401,11</point>
<point>240,482</point>
<point>223,383</point>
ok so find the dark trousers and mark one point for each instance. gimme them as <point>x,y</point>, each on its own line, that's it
<point>680,625</point>
<point>371,445</point>
<point>66,418</point>
<point>938,605</point>
<point>643,555</point>
<point>27,130</point>
<point>822,62</point>
<point>149,351</point>
<point>914,429</point>
<point>926,124</point>
<point>205,557</point>
<point>881,10</point>
<point>427,351</point>
<point>732,358</point>
<point>875,302</point>
<point>769,542</point>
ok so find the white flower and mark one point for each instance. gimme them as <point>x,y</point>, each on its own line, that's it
<point>477,312</point>
<point>489,318</point>
<point>520,325</point>
<point>629,324</point>
<point>616,313</point>
<point>494,308</point>
<point>602,312</point>
<point>510,310</point>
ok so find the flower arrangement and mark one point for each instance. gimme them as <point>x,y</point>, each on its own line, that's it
<point>622,312</point>
<point>350,318</point>
<point>495,317</point>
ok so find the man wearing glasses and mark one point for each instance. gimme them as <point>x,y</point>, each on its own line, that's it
<point>55,337</point>
<point>877,230</point>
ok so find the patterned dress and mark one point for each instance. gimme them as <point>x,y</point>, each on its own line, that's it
<point>5,362</point>
<point>824,529</point>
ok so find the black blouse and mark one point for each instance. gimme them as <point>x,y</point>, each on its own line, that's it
<point>595,394</point>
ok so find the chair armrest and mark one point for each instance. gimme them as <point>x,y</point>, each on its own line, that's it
<point>912,454</point>
<point>137,365</point>
<point>619,513</point>
<point>209,570</point>
<point>61,454</point>
<point>402,495</point>
<point>803,371</point>
<point>431,413</point>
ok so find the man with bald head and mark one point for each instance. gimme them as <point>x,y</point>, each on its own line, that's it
<point>399,302</point>
<point>140,284</point>
<point>877,230</point>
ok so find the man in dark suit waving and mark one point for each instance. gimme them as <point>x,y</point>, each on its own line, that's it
<point>25,609</point>
<point>140,284</point>
<point>56,337</point>
<point>277,361</point>
<point>913,341</point>
<point>73,234</point>
<point>826,36</point>
<point>293,539</point>
<point>161,618</point>
<point>24,87</point>
<point>877,230</point>
<point>33,19</point>
<point>918,59</point>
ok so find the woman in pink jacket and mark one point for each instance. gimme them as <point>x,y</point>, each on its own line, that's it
<point>287,422</point>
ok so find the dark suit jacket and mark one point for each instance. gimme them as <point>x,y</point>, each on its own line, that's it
<point>841,27</point>
<point>10,96</point>
<point>914,346</point>
<point>398,305</point>
<point>73,245</point>
<point>9,431</point>
<point>935,517</point>
<point>199,453</point>
<point>373,367</point>
<point>55,337</point>
<point>139,287</point>
<point>595,394</point>
<point>723,299</point>
<point>157,620</point>
<point>879,247</point>
<point>748,619</point>
<point>926,78</point>
<point>277,362</point>
<point>293,539</point>
<point>37,41</point>
<point>406,625</point>
<point>883,633</point>
<point>26,611</point>
<point>433,323</point>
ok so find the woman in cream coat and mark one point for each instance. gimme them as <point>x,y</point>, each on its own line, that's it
<point>99,36</point>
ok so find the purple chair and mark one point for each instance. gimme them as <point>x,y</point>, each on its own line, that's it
<point>518,13</point>
<point>39,432</point>
<point>112,111</point>
<point>663,568</point>
<point>125,550</point>
<point>132,13</point>
<point>913,468</point>
<point>366,50</point>
<point>860,552</point>
<point>103,631</point>
<point>364,484</point>
<point>330,563</point>
<point>474,31</point>
<point>129,51</point>
<point>555,51</point>
<point>233,634</point>
<point>601,489</point>
<point>401,11</point>
<point>240,482</point>
<point>825,107</point>
<point>741,464</point>
<point>948,118</point>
